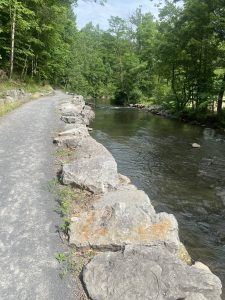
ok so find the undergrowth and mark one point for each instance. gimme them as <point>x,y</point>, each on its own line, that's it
<point>29,87</point>
<point>6,108</point>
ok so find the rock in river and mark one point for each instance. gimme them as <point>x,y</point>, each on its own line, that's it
<point>195,145</point>
<point>141,273</point>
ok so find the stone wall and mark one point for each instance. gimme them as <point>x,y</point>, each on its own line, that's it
<point>140,255</point>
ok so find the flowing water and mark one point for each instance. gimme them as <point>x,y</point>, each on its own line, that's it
<point>157,155</point>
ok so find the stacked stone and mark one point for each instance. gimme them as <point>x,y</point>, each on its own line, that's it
<point>141,256</point>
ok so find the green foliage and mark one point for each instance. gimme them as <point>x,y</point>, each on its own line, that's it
<point>176,61</point>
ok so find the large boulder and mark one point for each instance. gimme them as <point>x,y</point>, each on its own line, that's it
<point>120,218</point>
<point>78,100</point>
<point>72,138</point>
<point>75,111</point>
<point>72,119</point>
<point>79,130</point>
<point>94,169</point>
<point>90,147</point>
<point>68,141</point>
<point>139,273</point>
<point>88,114</point>
<point>97,174</point>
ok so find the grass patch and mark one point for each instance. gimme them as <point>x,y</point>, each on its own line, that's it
<point>74,261</point>
<point>67,196</point>
<point>6,108</point>
<point>29,87</point>
<point>64,153</point>
<point>72,202</point>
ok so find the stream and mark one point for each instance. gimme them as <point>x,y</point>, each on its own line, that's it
<point>156,154</point>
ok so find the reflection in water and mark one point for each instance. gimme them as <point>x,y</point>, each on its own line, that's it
<point>156,154</point>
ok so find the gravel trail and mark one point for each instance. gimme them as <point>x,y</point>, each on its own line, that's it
<point>28,218</point>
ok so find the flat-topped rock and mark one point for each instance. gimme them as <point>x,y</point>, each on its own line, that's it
<point>72,119</point>
<point>68,141</point>
<point>120,218</point>
<point>140,273</point>
<point>72,138</point>
<point>79,130</point>
<point>97,174</point>
<point>90,147</point>
<point>135,199</point>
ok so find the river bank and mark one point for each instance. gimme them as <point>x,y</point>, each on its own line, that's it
<point>210,120</point>
<point>119,224</point>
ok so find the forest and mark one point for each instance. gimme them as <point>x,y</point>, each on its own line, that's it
<point>176,61</point>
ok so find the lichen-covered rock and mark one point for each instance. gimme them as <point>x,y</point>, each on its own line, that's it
<point>140,273</point>
<point>123,217</point>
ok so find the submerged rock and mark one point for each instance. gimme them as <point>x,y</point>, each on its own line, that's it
<point>124,217</point>
<point>195,145</point>
<point>140,273</point>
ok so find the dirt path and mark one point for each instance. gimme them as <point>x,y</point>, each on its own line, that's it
<point>28,221</point>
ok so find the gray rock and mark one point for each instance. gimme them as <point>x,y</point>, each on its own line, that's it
<point>141,273</point>
<point>120,218</point>
<point>75,111</point>
<point>125,187</point>
<point>68,141</point>
<point>11,96</point>
<point>72,138</point>
<point>79,130</point>
<point>90,147</point>
<point>78,119</point>
<point>195,145</point>
<point>77,99</point>
<point>70,109</point>
<point>124,179</point>
<point>97,174</point>
<point>88,114</point>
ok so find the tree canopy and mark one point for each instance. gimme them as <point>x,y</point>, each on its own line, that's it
<point>176,61</point>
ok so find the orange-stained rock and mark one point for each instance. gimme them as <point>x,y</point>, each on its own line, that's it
<point>120,218</point>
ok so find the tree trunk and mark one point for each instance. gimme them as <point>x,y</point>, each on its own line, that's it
<point>220,97</point>
<point>13,29</point>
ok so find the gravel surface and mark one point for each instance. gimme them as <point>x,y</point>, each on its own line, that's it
<point>28,220</point>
